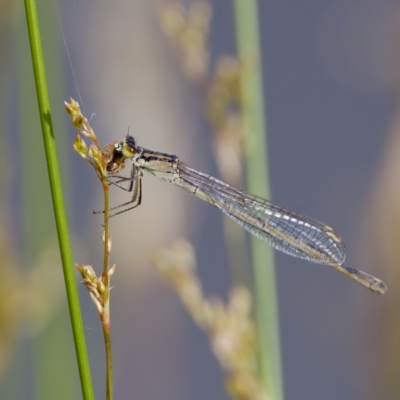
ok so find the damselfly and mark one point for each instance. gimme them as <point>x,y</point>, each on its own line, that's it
<point>285,230</point>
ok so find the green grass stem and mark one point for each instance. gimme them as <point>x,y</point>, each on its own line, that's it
<point>57,197</point>
<point>253,111</point>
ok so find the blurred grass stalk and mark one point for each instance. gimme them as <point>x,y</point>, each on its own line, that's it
<point>57,197</point>
<point>255,155</point>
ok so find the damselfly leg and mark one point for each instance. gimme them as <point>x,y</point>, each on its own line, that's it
<point>131,179</point>
<point>135,187</point>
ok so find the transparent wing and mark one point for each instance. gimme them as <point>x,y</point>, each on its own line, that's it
<point>285,230</point>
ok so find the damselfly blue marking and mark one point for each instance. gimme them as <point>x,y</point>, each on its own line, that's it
<point>285,230</point>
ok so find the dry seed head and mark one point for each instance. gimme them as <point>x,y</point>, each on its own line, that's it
<point>72,107</point>
<point>228,68</point>
<point>80,147</point>
<point>184,254</point>
<point>231,332</point>
<point>172,18</point>
<point>74,110</point>
<point>244,386</point>
<point>97,302</point>
<point>188,33</point>
<point>86,271</point>
<point>92,283</point>
<point>192,41</point>
<point>109,241</point>
<point>89,132</point>
<point>100,286</point>
<point>96,155</point>
<point>111,271</point>
<point>78,121</point>
<point>240,301</point>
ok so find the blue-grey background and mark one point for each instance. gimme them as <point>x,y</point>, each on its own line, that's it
<point>330,83</point>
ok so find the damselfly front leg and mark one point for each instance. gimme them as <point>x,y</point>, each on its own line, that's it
<point>131,179</point>
<point>135,187</point>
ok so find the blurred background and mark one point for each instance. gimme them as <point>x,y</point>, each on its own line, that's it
<point>331,77</point>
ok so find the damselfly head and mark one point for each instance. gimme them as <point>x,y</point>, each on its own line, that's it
<point>128,147</point>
